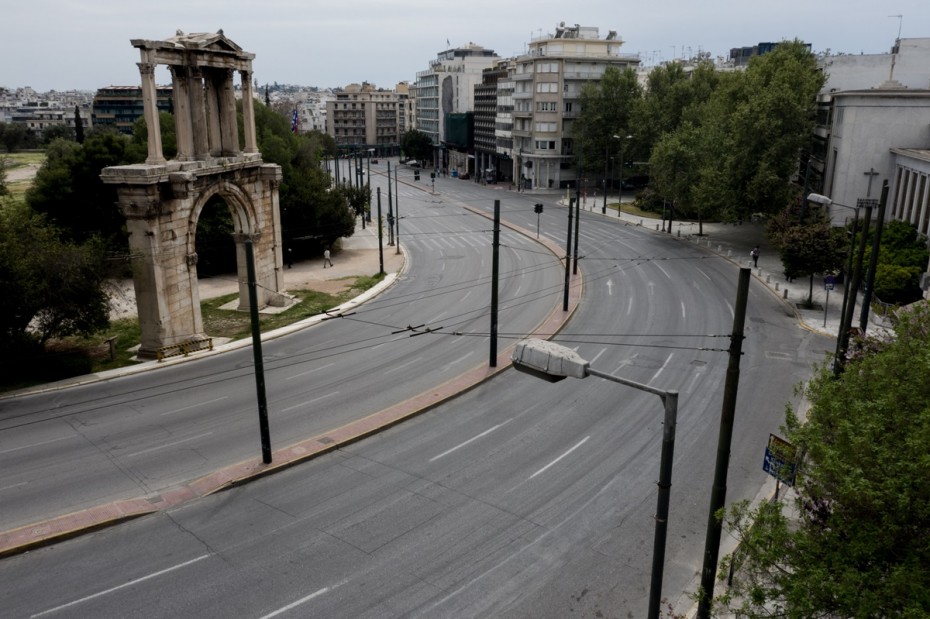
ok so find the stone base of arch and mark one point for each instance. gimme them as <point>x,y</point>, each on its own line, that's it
<point>162,204</point>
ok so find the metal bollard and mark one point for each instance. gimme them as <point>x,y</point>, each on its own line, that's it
<point>785,295</point>
<point>776,286</point>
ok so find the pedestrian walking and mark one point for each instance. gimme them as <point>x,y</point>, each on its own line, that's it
<point>326,260</point>
<point>755,256</point>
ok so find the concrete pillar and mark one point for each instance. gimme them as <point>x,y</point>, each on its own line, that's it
<point>228,126</point>
<point>212,108</point>
<point>180,82</point>
<point>150,108</point>
<point>248,112</point>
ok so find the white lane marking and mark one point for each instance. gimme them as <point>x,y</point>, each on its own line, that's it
<point>456,362</point>
<point>629,306</point>
<point>317,399</point>
<point>598,356</point>
<point>683,313</point>
<point>469,441</point>
<point>397,368</point>
<point>284,609</point>
<point>186,440</point>
<point>187,408</point>
<point>24,483</point>
<point>317,369</point>
<point>122,586</point>
<point>664,272</point>
<point>705,275</point>
<point>610,288</point>
<point>30,446</point>
<point>664,365</point>
<point>543,469</point>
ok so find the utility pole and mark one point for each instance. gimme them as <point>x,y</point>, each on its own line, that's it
<point>396,211</point>
<point>842,339</point>
<point>257,355</point>
<point>380,236</point>
<point>568,258</point>
<point>873,259</point>
<point>719,491</point>
<point>390,216</point>
<point>577,228</point>
<point>495,265</point>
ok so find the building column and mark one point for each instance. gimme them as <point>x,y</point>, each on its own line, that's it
<point>180,82</point>
<point>248,112</point>
<point>150,110</point>
<point>228,124</point>
<point>923,200</point>
<point>212,113</point>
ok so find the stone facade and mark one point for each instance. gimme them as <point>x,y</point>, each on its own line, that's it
<point>162,200</point>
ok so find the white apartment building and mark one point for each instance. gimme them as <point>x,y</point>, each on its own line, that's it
<point>447,87</point>
<point>547,84</point>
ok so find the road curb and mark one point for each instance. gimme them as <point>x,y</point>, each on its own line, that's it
<point>67,526</point>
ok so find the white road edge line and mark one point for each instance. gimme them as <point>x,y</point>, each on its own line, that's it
<point>284,609</point>
<point>471,440</point>
<point>543,469</point>
<point>122,586</point>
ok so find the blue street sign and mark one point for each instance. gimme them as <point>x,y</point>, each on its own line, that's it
<point>780,460</point>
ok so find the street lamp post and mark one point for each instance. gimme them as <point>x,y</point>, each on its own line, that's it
<point>620,189</point>
<point>853,271</point>
<point>553,362</point>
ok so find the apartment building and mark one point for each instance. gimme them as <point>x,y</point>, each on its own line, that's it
<point>547,85</point>
<point>493,140</point>
<point>447,88</point>
<point>367,118</point>
<point>120,106</point>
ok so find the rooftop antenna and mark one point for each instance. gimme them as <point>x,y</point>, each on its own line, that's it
<point>897,44</point>
<point>900,19</point>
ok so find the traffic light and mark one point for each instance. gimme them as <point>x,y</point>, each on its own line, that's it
<point>538,208</point>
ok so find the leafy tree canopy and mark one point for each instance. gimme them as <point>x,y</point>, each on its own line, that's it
<point>51,288</point>
<point>416,145</point>
<point>68,189</point>
<point>605,119</point>
<point>856,541</point>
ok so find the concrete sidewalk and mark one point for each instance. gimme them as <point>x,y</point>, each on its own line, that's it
<point>353,256</point>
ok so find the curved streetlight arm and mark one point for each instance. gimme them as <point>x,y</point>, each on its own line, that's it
<point>553,362</point>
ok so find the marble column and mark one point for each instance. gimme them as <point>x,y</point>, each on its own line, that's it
<point>150,108</point>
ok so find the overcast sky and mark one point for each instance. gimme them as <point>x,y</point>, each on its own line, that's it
<point>84,44</point>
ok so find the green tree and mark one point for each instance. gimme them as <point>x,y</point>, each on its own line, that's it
<point>57,132</point>
<point>807,247</point>
<point>856,541</point>
<point>902,257</point>
<point>605,119</point>
<point>51,288</point>
<point>78,126</point>
<point>68,189</point>
<point>761,120</point>
<point>416,145</point>
<point>13,136</point>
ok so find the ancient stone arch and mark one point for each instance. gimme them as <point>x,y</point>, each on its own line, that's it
<point>162,200</point>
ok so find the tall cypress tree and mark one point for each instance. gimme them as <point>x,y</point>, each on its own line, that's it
<point>78,126</point>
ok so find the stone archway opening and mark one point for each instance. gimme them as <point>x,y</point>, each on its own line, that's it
<point>162,200</point>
